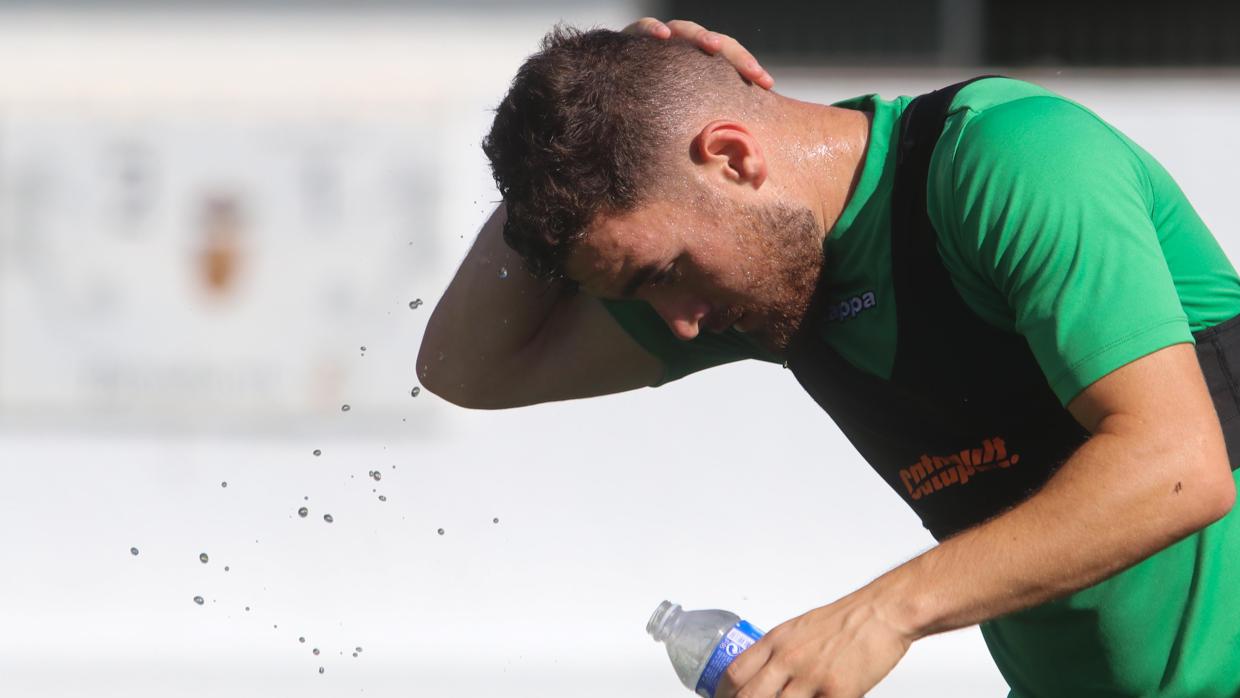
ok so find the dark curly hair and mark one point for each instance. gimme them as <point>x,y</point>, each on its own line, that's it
<point>587,126</point>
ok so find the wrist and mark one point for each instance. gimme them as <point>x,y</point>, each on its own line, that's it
<point>904,601</point>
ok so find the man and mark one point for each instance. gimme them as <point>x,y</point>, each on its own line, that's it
<point>1008,307</point>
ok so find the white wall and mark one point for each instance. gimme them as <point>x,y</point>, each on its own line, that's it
<point>728,489</point>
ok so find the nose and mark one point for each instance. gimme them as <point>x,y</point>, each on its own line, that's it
<point>682,316</point>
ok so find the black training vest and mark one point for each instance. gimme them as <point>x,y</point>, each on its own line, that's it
<point>967,427</point>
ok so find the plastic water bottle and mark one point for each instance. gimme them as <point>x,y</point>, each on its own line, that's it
<point>701,644</point>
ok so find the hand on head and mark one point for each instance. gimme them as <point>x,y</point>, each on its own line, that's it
<point>709,41</point>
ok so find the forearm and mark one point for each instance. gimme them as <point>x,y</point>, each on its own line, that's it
<point>1119,499</point>
<point>491,311</point>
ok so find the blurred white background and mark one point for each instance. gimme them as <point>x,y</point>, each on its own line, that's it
<point>204,215</point>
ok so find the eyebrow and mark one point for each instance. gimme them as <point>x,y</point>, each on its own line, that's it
<point>639,278</point>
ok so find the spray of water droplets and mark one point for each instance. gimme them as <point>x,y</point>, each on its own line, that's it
<point>133,551</point>
<point>317,452</point>
<point>328,518</point>
<point>344,408</point>
<point>382,498</point>
<point>199,600</point>
<point>416,391</point>
<point>303,512</point>
<point>415,303</point>
<point>202,557</point>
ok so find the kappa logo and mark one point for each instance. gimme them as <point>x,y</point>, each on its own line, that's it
<point>932,473</point>
<point>851,307</point>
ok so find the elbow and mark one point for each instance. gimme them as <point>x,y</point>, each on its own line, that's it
<point>1217,494</point>
<point>459,396</point>
<point>434,379</point>
<point>446,384</point>
<point>1224,499</point>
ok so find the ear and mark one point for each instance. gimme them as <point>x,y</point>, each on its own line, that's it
<point>729,149</point>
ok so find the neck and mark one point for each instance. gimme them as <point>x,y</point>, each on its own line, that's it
<point>824,152</point>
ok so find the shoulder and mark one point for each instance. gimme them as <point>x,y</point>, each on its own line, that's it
<point>1011,124</point>
<point>1010,143</point>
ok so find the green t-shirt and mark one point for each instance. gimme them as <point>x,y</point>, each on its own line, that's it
<point>1055,225</point>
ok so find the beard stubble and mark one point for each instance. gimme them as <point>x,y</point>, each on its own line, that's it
<point>785,249</point>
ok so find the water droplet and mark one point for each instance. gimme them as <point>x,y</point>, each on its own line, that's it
<point>328,518</point>
<point>247,608</point>
<point>377,475</point>
<point>224,484</point>
<point>198,600</point>
<point>317,452</point>
<point>307,498</point>
<point>415,303</point>
<point>316,651</point>
<point>133,551</point>
<point>416,391</point>
<point>363,348</point>
<point>344,408</point>
<point>225,568</point>
<point>302,512</point>
<point>202,557</point>
<point>321,670</point>
<point>441,531</point>
<point>357,649</point>
<point>503,272</point>
<point>382,498</point>
<point>495,520</point>
<point>355,654</point>
<point>301,639</point>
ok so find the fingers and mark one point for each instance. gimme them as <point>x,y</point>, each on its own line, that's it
<point>649,26</point>
<point>709,41</point>
<point>716,43</point>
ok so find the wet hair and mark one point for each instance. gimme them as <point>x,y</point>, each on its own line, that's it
<point>589,126</point>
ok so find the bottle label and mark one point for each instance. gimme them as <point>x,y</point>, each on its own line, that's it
<point>738,638</point>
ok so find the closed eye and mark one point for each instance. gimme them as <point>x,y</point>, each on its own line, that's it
<point>668,276</point>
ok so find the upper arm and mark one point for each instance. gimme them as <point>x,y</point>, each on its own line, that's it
<point>581,351</point>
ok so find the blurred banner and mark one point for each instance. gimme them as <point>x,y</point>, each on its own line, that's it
<point>236,213</point>
<point>185,262</point>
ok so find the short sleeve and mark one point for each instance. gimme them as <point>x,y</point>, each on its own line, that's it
<point>1054,213</point>
<point>679,358</point>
